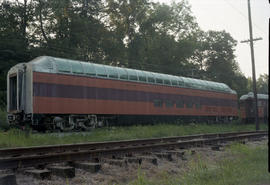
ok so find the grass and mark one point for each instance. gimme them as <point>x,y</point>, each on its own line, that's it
<point>16,138</point>
<point>243,165</point>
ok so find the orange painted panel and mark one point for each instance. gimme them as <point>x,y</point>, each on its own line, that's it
<point>50,105</point>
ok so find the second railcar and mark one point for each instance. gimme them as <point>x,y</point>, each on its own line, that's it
<point>247,112</point>
<point>56,93</point>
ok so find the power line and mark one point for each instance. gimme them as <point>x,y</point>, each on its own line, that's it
<point>243,15</point>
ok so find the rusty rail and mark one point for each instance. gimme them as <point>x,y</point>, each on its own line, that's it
<point>98,145</point>
<point>88,151</point>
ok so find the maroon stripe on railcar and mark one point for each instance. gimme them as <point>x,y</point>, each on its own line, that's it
<point>82,92</point>
<point>118,84</point>
<point>60,105</point>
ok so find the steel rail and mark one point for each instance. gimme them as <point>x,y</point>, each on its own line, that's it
<point>34,160</point>
<point>5,152</point>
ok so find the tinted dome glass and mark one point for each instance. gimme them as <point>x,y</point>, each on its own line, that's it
<point>59,65</point>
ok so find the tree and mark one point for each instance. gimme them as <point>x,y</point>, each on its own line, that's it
<point>137,34</point>
<point>157,37</point>
<point>219,56</point>
<point>69,29</point>
<point>14,18</point>
<point>240,84</point>
<point>261,84</point>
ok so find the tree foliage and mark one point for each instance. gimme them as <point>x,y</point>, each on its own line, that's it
<point>261,84</point>
<point>138,34</point>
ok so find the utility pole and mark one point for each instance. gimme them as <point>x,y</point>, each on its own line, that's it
<point>255,103</point>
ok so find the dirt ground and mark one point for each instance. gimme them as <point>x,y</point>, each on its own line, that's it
<point>113,174</point>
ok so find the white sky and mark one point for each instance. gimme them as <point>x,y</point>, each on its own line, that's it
<point>232,16</point>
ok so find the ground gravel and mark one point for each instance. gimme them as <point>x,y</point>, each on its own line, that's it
<point>111,174</point>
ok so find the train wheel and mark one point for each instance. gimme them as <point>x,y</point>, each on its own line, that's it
<point>66,126</point>
<point>63,124</point>
<point>90,123</point>
<point>87,126</point>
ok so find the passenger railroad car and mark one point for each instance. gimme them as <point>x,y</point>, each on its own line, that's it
<point>247,112</point>
<point>56,93</point>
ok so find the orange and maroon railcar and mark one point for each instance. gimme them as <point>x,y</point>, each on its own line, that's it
<point>55,93</point>
<point>247,112</point>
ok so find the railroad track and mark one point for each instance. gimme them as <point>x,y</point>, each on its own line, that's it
<point>14,158</point>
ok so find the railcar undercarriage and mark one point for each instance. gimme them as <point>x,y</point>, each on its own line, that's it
<point>67,123</point>
<point>63,123</point>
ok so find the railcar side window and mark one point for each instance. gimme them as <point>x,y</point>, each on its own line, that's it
<point>181,82</point>
<point>63,66</point>
<point>191,84</point>
<point>169,103</point>
<point>187,82</point>
<point>89,69</point>
<point>101,71</point>
<point>150,78</point>
<point>203,84</point>
<point>158,77</point>
<point>132,75</point>
<point>158,103</point>
<point>76,68</point>
<point>197,105</point>
<point>142,76</point>
<point>179,103</point>
<point>189,104</point>
<point>167,82</point>
<point>111,72</point>
<point>122,73</point>
<point>159,81</point>
<point>174,82</point>
<point>212,86</point>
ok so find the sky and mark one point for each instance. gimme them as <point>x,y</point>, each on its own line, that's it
<point>232,16</point>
